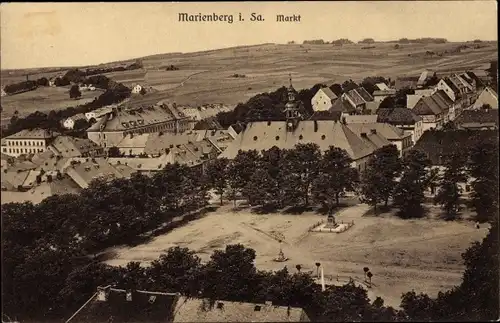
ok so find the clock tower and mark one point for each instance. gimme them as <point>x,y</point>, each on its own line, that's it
<point>292,112</point>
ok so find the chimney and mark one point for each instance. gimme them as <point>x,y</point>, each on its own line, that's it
<point>373,131</point>
<point>363,134</point>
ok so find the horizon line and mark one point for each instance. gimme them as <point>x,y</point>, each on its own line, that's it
<point>230,47</point>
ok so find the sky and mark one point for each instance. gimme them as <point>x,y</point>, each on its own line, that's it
<point>74,34</point>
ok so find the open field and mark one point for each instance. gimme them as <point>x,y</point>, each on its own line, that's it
<point>206,77</point>
<point>424,254</point>
<point>43,99</point>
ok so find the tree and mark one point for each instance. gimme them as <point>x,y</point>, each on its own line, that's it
<point>240,171</point>
<point>42,81</point>
<point>299,267</point>
<point>74,92</point>
<point>300,167</point>
<point>366,270</point>
<point>379,179</point>
<point>216,175</point>
<point>176,271</point>
<point>61,81</point>
<point>143,91</point>
<point>114,152</point>
<point>409,193</point>
<point>449,192</point>
<point>349,85</point>
<point>230,274</point>
<point>336,176</point>
<point>369,83</point>
<point>483,169</point>
<point>337,89</point>
<point>317,268</point>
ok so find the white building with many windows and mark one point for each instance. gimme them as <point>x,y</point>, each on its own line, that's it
<point>27,142</point>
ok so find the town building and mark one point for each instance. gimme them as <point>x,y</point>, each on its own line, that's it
<point>94,115</point>
<point>204,111</point>
<point>424,76</point>
<point>487,96</point>
<point>67,147</point>
<point>446,85</point>
<point>110,130</point>
<point>27,142</point>
<point>412,99</point>
<point>401,139</point>
<point>323,99</point>
<point>402,118</point>
<point>69,123</point>
<point>381,87</point>
<point>121,305</point>
<point>83,173</point>
<point>433,110</point>
<point>381,95</point>
<point>358,98</point>
<point>478,120</point>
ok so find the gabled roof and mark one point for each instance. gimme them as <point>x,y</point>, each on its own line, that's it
<point>474,77</point>
<point>325,133</point>
<point>397,116</point>
<point>452,85</point>
<point>11,179</point>
<point>364,94</point>
<point>84,172</point>
<point>384,92</point>
<point>326,115</point>
<point>440,98</point>
<point>341,105</point>
<point>355,97</point>
<point>328,93</point>
<point>435,143</point>
<point>427,106</point>
<point>134,141</point>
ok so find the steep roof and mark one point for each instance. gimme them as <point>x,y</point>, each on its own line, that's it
<point>355,97</point>
<point>397,116</point>
<point>384,92</point>
<point>325,133</point>
<point>474,77</point>
<point>11,179</point>
<point>427,106</point>
<point>435,143</point>
<point>452,85</point>
<point>33,134</point>
<point>134,141</point>
<point>328,93</point>
<point>341,105</point>
<point>441,100</point>
<point>364,94</point>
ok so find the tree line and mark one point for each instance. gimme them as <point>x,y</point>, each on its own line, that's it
<point>50,245</point>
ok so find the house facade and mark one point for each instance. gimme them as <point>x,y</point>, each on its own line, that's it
<point>323,99</point>
<point>412,99</point>
<point>487,96</point>
<point>27,142</point>
<point>433,116</point>
<point>381,95</point>
<point>404,119</point>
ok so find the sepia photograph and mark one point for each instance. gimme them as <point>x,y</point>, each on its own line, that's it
<point>299,161</point>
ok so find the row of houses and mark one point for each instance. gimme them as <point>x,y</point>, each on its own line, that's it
<point>354,101</point>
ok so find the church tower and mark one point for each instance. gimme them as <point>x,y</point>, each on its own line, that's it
<point>292,112</point>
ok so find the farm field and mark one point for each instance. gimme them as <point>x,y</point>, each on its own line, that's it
<point>423,254</point>
<point>43,99</point>
<point>206,77</point>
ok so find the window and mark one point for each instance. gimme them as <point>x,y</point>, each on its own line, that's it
<point>4,150</point>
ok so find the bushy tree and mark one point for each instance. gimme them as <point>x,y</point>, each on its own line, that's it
<point>449,191</point>
<point>241,170</point>
<point>379,179</point>
<point>336,176</point>
<point>409,193</point>
<point>74,92</point>
<point>216,175</point>
<point>301,168</point>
